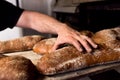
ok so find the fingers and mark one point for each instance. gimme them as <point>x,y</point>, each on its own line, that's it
<point>90,41</point>
<point>86,42</point>
<point>70,41</point>
<point>79,43</point>
<point>76,44</point>
<point>55,46</point>
<point>76,39</point>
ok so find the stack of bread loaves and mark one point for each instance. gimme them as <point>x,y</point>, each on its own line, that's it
<point>64,59</point>
<point>18,67</point>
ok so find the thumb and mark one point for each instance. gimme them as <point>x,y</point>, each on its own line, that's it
<point>55,46</point>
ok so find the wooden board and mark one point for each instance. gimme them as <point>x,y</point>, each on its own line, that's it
<point>28,54</point>
<point>78,73</point>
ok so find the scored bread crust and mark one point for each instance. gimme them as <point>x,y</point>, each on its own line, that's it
<point>69,58</point>
<point>19,44</point>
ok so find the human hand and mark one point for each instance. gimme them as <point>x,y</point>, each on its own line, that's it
<point>71,36</point>
<point>47,24</point>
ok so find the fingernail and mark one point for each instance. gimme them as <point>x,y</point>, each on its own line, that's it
<point>96,46</point>
<point>89,50</point>
<point>80,50</point>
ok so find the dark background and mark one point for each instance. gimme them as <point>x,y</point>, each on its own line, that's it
<point>93,16</point>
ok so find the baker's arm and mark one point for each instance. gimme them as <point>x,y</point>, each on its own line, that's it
<point>47,24</point>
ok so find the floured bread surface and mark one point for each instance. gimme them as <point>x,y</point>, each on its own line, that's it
<point>17,68</point>
<point>108,37</point>
<point>19,44</point>
<point>44,46</point>
<point>69,59</point>
<point>58,61</point>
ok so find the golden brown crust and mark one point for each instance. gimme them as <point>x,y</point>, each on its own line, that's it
<point>44,46</point>
<point>69,59</point>
<point>17,68</point>
<point>19,44</point>
<point>108,37</point>
<point>87,33</point>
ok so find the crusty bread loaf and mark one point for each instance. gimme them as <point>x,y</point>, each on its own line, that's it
<point>17,68</point>
<point>108,37</point>
<point>69,58</point>
<point>44,46</point>
<point>19,44</point>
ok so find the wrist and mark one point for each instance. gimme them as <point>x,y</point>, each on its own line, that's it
<point>62,27</point>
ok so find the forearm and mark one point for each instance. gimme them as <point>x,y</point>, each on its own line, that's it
<point>40,22</point>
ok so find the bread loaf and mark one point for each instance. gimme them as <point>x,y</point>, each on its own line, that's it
<point>69,58</point>
<point>108,37</point>
<point>44,46</point>
<point>19,44</point>
<point>17,68</point>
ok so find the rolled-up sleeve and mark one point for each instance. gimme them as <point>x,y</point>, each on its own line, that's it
<point>9,14</point>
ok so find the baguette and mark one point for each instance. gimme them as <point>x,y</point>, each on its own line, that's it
<point>19,44</point>
<point>69,58</point>
<point>17,68</point>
